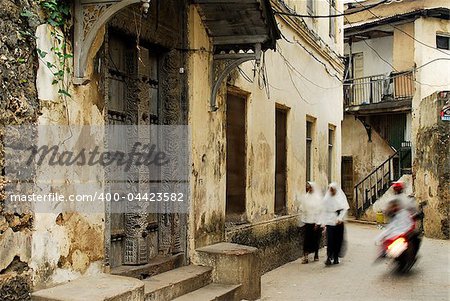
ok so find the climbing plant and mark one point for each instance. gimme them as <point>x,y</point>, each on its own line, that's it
<point>57,15</point>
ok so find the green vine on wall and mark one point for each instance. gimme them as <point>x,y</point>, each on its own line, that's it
<point>57,15</point>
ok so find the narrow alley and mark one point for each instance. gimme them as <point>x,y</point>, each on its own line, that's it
<point>357,278</point>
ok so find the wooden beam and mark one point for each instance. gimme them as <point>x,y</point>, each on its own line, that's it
<point>243,39</point>
<point>223,1</point>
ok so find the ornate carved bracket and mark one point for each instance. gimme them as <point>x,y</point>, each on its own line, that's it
<point>90,16</point>
<point>224,63</point>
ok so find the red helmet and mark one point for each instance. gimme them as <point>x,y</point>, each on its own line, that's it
<point>398,186</point>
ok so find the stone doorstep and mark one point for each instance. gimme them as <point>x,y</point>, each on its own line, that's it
<point>101,287</point>
<point>234,264</point>
<point>212,292</point>
<point>157,265</point>
<point>225,248</point>
<point>172,284</point>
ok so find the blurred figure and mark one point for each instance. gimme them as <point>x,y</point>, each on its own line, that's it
<point>335,210</point>
<point>404,201</point>
<point>400,239</point>
<point>310,207</point>
<point>400,221</point>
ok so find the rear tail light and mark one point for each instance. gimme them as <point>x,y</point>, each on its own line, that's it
<point>397,247</point>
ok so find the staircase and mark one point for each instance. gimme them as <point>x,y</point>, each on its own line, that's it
<point>185,283</point>
<point>374,185</point>
<point>226,272</point>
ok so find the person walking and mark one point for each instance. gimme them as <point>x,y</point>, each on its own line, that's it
<point>333,214</point>
<point>310,208</point>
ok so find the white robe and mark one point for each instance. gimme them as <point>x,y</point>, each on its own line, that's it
<point>310,205</point>
<point>333,204</point>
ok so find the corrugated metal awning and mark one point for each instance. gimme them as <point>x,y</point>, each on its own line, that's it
<point>239,24</point>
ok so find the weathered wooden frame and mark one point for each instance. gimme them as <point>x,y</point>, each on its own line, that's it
<point>223,64</point>
<point>90,16</point>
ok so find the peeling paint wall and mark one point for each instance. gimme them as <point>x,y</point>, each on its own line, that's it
<point>367,155</point>
<point>62,247</point>
<point>207,183</point>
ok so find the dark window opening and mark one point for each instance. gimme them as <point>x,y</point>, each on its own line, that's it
<point>309,140</point>
<point>236,158</point>
<point>280,161</point>
<point>330,154</point>
<point>443,42</point>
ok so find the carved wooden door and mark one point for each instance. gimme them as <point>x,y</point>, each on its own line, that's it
<point>132,101</point>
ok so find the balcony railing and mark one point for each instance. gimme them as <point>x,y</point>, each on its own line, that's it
<point>379,88</point>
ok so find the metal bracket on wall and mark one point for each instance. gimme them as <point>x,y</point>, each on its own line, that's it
<point>90,16</point>
<point>224,63</point>
<point>367,126</point>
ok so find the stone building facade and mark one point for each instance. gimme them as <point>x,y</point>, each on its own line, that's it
<point>269,128</point>
<point>397,55</point>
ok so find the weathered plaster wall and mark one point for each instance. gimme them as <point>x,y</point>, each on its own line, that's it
<point>403,47</point>
<point>207,214</point>
<point>371,61</point>
<point>62,242</point>
<point>394,7</point>
<point>432,165</point>
<point>319,97</point>
<point>320,26</point>
<point>428,134</point>
<point>366,155</point>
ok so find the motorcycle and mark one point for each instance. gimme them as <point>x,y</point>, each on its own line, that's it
<point>402,248</point>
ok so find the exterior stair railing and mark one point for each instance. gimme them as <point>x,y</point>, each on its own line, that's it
<point>373,186</point>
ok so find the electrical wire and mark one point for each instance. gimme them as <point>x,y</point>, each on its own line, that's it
<point>399,29</point>
<point>387,62</point>
<point>289,65</point>
<point>313,56</point>
<point>330,16</point>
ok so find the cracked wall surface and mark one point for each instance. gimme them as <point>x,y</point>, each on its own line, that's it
<point>432,164</point>
<point>18,105</point>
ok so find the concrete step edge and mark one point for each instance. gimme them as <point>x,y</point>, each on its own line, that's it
<point>177,282</point>
<point>212,292</point>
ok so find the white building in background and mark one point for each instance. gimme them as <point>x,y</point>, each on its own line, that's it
<point>397,55</point>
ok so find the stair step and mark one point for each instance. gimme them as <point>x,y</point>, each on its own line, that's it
<point>99,287</point>
<point>157,265</point>
<point>212,292</point>
<point>177,282</point>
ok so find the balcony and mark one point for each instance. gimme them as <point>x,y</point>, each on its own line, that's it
<point>378,93</point>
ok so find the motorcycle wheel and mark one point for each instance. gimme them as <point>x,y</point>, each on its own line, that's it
<point>402,263</point>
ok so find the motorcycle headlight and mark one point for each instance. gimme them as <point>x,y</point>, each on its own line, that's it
<point>397,247</point>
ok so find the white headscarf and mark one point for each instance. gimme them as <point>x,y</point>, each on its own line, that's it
<point>311,204</point>
<point>335,202</point>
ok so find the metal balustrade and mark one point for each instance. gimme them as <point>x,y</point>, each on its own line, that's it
<point>379,88</point>
<point>373,186</point>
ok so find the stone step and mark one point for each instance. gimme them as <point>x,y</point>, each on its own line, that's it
<point>177,282</point>
<point>212,292</point>
<point>100,287</point>
<point>157,265</point>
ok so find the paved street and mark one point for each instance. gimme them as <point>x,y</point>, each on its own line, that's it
<point>357,278</point>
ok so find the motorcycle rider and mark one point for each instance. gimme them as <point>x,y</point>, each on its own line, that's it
<point>400,222</point>
<point>406,202</point>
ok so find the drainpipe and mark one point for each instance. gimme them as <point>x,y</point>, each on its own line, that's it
<point>350,69</point>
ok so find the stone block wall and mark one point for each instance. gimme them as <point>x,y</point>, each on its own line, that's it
<point>18,105</point>
<point>431,169</point>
